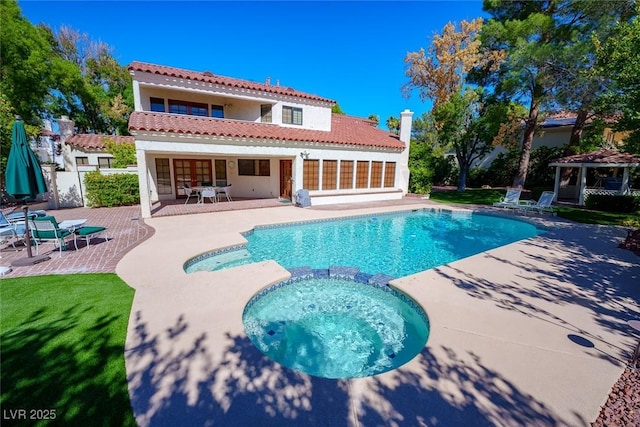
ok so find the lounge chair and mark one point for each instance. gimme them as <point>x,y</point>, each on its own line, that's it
<point>542,205</point>
<point>47,229</point>
<point>511,199</point>
<point>88,232</point>
<point>11,230</point>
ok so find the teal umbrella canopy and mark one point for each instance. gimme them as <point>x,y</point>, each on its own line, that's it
<point>23,175</point>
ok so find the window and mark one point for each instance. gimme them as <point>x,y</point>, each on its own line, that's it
<point>346,173</point>
<point>252,167</point>
<point>217,111</point>
<point>310,169</point>
<point>105,162</point>
<point>265,113</point>
<point>164,176</point>
<point>292,115</point>
<point>376,174</point>
<point>329,174</point>
<point>362,174</point>
<point>82,161</point>
<point>190,108</point>
<point>157,104</point>
<point>390,174</point>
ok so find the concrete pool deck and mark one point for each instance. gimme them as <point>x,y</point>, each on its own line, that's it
<point>532,333</point>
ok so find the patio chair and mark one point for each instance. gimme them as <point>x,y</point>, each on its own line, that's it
<point>542,205</point>
<point>46,229</point>
<point>511,199</point>
<point>224,191</point>
<point>208,193</point>
<point>190,192</point>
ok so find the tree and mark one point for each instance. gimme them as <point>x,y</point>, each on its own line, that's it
<point>441,76</point>
<point>618,56</point>
<point>336,109</point>
<point>393,124</point>
<point>124,153</point>
<point>25,61</point>
<point>91,87</point>
<point>441,71</point>
<point>548,59</point>
<point>374,118</point>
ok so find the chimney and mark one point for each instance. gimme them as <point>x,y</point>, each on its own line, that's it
<point>65,127</point>
<point>277,82</point>
<point>268,81</point>
<point>405,126</point>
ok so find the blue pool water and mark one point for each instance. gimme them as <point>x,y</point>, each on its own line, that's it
<point>393,244</point>
<point>336,328</point>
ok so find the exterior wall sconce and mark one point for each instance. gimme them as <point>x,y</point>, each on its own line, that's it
<point>304,155</point>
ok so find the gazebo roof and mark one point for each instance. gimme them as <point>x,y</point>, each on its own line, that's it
<point>605,157</point>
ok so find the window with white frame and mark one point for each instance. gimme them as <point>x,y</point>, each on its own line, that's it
<point>265,113</point>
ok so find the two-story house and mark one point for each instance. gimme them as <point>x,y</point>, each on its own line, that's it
<point>265,140</point>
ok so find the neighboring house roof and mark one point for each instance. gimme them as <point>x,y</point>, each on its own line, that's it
<point>602,156</point>
<point>96,141</point>
<point>208,77</point>
<point>345,130</point>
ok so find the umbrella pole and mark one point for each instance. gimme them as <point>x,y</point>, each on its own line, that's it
<point>30,259</point>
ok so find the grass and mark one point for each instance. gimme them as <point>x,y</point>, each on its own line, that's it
<point>62,348</point>
<point>488,196</point>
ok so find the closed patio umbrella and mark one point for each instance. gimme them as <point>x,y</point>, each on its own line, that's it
<point>24,180</point>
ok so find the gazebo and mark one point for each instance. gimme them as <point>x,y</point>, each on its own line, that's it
<point>603,158</point>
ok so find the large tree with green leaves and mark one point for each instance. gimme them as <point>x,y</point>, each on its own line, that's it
<point>549,58</point>
<point>91,87</point>
<point>461,113</point>
<point>619,56</point>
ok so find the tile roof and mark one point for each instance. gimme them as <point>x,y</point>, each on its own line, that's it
<point>95,141</point>
<point>208,77</point>
<point>345,130</point>
<point>604,155</point>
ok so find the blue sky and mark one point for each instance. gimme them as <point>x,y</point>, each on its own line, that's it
<point>351,52</point>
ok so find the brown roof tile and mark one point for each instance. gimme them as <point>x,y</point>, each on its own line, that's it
<point>222,80</point>
<point>604,155</point>
<point>95,141</point>
<point>345,130</point>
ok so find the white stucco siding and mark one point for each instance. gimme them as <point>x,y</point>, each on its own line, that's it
<point>552,137</point>
<point>315,115</point>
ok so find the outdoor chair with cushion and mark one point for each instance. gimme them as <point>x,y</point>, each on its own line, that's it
<point>511,199</point>
<point>90,231</point>
<point>542,205</point>
<point>46,229</point>
<point>10,231</point>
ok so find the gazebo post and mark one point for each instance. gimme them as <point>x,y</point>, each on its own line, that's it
<point>625,188</point>
<point>583,184</point>
<point>556,185</point>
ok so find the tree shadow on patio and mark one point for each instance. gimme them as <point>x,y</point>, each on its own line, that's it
<point>197,384</point>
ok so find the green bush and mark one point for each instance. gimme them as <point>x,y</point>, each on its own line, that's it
<point>616,203</point>
<point>111,190</point>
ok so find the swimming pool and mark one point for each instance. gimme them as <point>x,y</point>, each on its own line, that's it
<point>396,244</point>
<point>336,328</point>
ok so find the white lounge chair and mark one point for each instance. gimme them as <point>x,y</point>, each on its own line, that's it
<point>542,205</point>
<point>511,199</point>
<point>10,231</point>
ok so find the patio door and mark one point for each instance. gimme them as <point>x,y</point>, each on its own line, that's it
<point>285,178</point>
<point>190,171</point>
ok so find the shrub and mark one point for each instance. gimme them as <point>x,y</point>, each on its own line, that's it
<point>124,153</point>
<point>111,190</point>
<point>615,203</point>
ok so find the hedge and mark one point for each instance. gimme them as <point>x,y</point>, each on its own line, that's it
<point>613,203</point>
<point>111,190</point>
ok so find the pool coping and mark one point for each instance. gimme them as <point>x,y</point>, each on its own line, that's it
<point>189,322</point>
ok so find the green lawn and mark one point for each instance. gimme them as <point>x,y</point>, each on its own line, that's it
<point>62,347</point>
<point>487,197</point>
